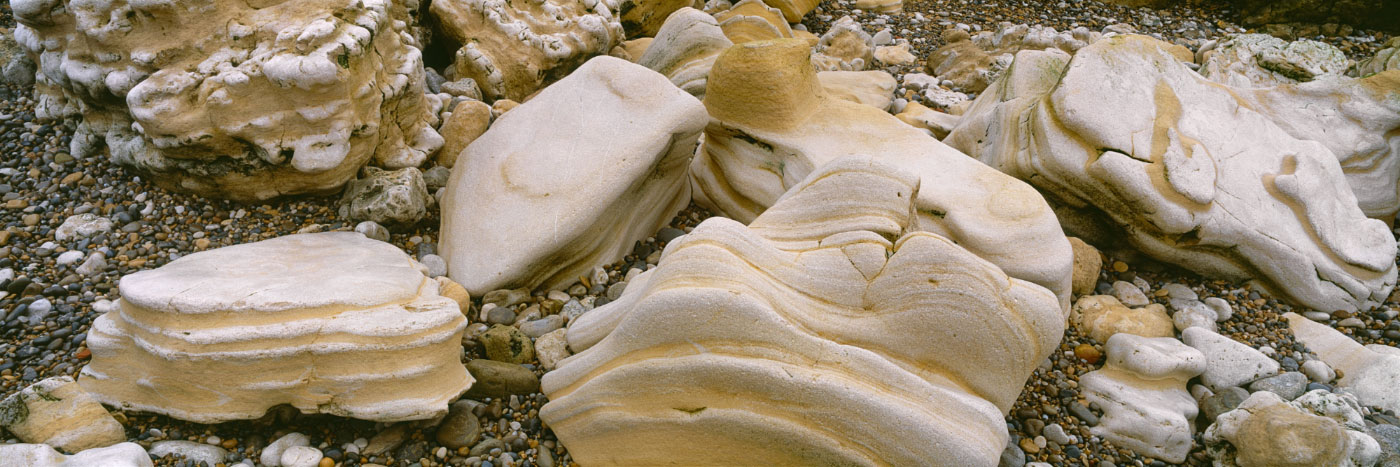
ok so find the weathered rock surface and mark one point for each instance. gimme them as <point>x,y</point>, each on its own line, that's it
<point>1162,158</point>
<point>513,49</point>
<point>57,412</point>
<point>648,17</point>
<point>717,344</point>
<point>686,48</point>
<point>43,455</point>
<point>1317,429</point>
<point>873,88</point>
<point>1087,264</point>
<point>1385,59</point>
<point>1142,389</point>
<point>753,20</point>
<point>330,323</point>
<point>611,172</point>
<point>1102,316</point>
<point>233,99</point>
<point>1259,60</point>
<point>972,62</point>
<point>1228,362</point>
<point>467,121</point>
<point>398,197</point>
<point>1372,372</point>
<point>844,47</point>
<point>772,125</point>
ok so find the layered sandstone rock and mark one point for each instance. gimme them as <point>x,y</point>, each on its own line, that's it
<point>330,323</point>
<point>685,49</point>
<point>1190,175</point>
<point>801,338</point>
<point>522,210</point>
<point>772,125</point>
<point>513,49</point>
<point>752,20</point>
<point>57,412</point>
<point>233,99</point>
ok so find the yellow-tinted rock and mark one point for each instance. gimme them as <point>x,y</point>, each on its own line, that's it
<point>645,17</point>
<point>466,123</point>
<point>57,412</point>
<point>752,20</point>
<point>632,50</point>
<point>1102,316</point>
<point>1087,264</point>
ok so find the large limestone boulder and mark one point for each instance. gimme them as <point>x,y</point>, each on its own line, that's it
<point>570,180</point>
<point>972,62</point>
<point>43,455</point>
<point>1142,390</point>
<point>686,48</point>
<point>1258,60</point>
<point>772,125</point>
<point>1319,428</point>
<point>513,49</point>
<point>804,337</point>
<point>234,99</point>
<point>57,412</point>
<point>1372,372</point>
<point>1187,172</point>
<point>331,323</point>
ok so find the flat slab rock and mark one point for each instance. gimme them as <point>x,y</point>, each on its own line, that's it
<point>330,323</point>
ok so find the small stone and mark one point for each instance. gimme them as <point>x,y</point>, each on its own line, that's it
<point>192,451</point>
<point>500,315</point>
<point>1129,294</point>
<point>460,428</point>
<point>301,456</point>
<point>1088,353</point>
<point>1087,264</point>
<point>372,230</point>
<point>1228,363</point>
<point>272,454</point>
<point>499,379</point>
<point>437,267</point>
<point>540,327</point>
<point>506,297</point>
<point>507,344</point>
<point>1289,385</point>
<point>1222,308</point>
<point>1028,445</point>
<point>1318,371</point>
<point>551,348</point>
<point>1224,401</point>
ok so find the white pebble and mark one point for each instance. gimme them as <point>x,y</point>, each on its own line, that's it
<point>272,454</point>
<point>301,456</point>
<point>69,257</point>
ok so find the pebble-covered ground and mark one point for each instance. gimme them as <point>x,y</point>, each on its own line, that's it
<point>51,290</point>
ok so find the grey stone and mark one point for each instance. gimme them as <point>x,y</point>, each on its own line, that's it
<point>460,428</point>
<point>506,297</point>
<point>465,87</point>
<point>437,267</point>
<point>1228,362</point>
<point>1289,385</point>
<point>486,445</point>
<point>1129,294</point>
<point>1054,432</point>
<point>197,452</point>
<point>436,177</point>
<point>398,197</point>
<point>1012,456</point>
<point>373,230</point>
<point>500,379</point>
<point>1224,401</point>
<point>1318,371</point>
<point>500,315</point>
<point>540,327</point>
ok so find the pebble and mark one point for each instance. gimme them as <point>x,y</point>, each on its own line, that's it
<point>301,456</point>
<point>272,454</point>
<point>1288,385</point>
<point>1318,371</point>
<point>1129,294</point>
<point>196,452</point>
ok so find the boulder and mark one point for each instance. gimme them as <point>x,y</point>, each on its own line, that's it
<point>1102,316</point>
<point>1372,372</point>
<point>394,198</point>
<point>57,412</point>
<point>1183,171</point>
<point>894,55</point>
<point>880,6</point>
<point>752,20</point>
<point>632,50</point>
<point>233,99</point>
<point>772,125</point>
<point>685,49</point>
<point>873,88</point>
<point>1087,264</point>
<point>1142,390</point>
<point>1317,429</point>
<point>845,46</point>
<point>972,62</point>
<point>513,49</point>
<point>534,212</point>
<point>82,226</point>
<point>647,17</point>
<point>1228,362</point>
<point>1387,58</point>
<point>1260,60</point>
<point>467,122</point>
<point>936,124</point>
<point>717,344</point>
<point>43,455</point>
<point>331,323</point>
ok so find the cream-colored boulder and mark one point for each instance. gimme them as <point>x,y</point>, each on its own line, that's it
<point>686,48</point>
<point>1087,264</point>
<point>1385,59</point>
<point>880,6</point>
<point>647,17</point>
<point>1258,60</point>
<point>894,55</point>
<point>873,88</point>
<point>1142,390</point>
<point>331,323</point>
<point>753,20</point>
<point>233,99</point>
<point>772,125</point>
<point>513,49</point>
<point>972,62</point>
<point>632,50</point>
<point>1187,173</point>
<point>570,180</point>
<point>1372,372</point>
<point>57,412</point>
<point>936,123</point>
<point>845,47</point>
<point>464,124</point>
<point>804,337</point>
<point>1319,428</point>
<point>1102,316</point>
<point>43,455</point>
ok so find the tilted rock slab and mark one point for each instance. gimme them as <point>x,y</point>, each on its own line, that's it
<point>686,48</point>
<point>57,412</point>
<point>570,180</point>
<point>1372,372</point>
<point>805,338</point>
<point>1187,171</point>
<point>234,99</point>
<point>331,323</point>
<point>513,49</point>
<point>1142,389</point>
<point>772,124</point>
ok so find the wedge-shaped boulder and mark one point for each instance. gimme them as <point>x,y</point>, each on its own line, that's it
<point>1142,390</point>
<point>513,49</point>
<point>57,412</point>
<point>804,337</point>
<point>772,124</point>
<point>331,323</point>
<point>686,48</point>
<point>234,99</point>
<point>1186,171</point>
<point>1372,372</point>
<point>526,210</point>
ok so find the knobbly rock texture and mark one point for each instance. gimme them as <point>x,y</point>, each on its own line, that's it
<point>611,172</point>
<point>1142,390</point>
<point>972,62</point>
<point>58,413</point>
<point>43,455</point>
<point>1386,59</point>
<point>513,49</point>
<point>1372,372</point>
<point>772,125</point>
<point>398,197</point>
<point>1318,429</point>
<point>845,47</point>
<point>1162,157</point>
<point>1087,264</point>
<point>1102,316</point>
<point>685,49</point>
<point>716,345</point>
<point>236,100</point>
<point>1258,60</point>
<point>330,323</point>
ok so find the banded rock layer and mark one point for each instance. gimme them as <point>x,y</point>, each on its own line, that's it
<point>330,323</point>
